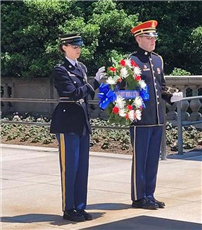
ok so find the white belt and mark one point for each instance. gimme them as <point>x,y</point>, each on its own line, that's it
<point>66,99</point>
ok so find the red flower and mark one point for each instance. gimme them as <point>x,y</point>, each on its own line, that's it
<point>133,63</point>
<point>127,116</point>
<point>120,79</point>
<point>112,69</point>
<point>137,78</point>
<point>122,62</point>
<point>115,110</point>
<point>130,107</point>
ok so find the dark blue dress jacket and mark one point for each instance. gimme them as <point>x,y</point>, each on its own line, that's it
<point>151,65</point>
<point>71,114</point>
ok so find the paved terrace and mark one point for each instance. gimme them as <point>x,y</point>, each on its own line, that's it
<point>31,197</point>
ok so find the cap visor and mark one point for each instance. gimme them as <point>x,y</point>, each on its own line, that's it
<point>79,43</point>
<point>154,34</point>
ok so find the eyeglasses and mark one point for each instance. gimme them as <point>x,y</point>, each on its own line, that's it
<point>149,37</point>
<point>74,47</point>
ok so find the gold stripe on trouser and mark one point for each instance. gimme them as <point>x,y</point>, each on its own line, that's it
<point>134,165</point>
<point>62,155</point>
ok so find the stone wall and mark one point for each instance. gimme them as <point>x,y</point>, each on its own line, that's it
<point>37,88</point>
<point>42,88</point>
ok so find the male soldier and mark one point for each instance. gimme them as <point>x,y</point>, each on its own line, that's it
<point>146,134</point>
<point>70,122</point>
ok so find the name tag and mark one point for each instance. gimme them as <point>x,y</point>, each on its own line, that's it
<point>127,94</point>
<point>147,69</point>
<point>158,70</point>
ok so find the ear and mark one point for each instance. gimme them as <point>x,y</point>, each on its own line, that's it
<point>64,47</point>
<point>137,38</point>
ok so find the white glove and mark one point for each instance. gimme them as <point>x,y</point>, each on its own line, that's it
<point>176,96</point>
<point>100,73</point>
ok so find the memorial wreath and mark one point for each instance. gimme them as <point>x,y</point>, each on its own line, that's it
<point>124,93</point>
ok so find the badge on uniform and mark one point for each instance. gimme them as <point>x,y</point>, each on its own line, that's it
<point>71,75</point>
<point>145,68</point>
<point>158,70</point>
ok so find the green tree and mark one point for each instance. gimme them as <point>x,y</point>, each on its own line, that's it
<point>177,25</point>
<point>30,30</point>
<point>179,72</point>
<point>193,50</point>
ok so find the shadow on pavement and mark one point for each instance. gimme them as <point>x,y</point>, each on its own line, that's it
<point>40,218</point>
<point>195,155</point>
<point>109,206</point>
<point>148,223</point>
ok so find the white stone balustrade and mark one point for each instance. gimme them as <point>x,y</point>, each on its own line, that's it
<point>190,86</point>
<point>43,88</point>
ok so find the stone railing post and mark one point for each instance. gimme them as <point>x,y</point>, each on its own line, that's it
<point>195,106</point>
<point>171,114</point>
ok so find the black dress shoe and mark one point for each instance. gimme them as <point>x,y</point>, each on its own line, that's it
<point>145,204</point>
<point>159,203</point>
<point>73,215</point>
<point>86,215</point>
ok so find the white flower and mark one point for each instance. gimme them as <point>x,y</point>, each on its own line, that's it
<point>124,72</point>
<point>138,114</point>
<point>120,102</point>
<point>111,81</point>
<point>16,118</point>
<point>128,62</point>
<point>137,71</point>
<point>122,113</point>
<point>131,115</point>
<point>137,102</point>
<point>142,84</point>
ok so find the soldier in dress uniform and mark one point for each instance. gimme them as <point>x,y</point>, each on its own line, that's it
<point>146,134</point>
<point>70,123</point>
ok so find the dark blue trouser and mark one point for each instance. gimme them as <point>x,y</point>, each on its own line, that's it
<point>146,142</point>
<point>74,162</point>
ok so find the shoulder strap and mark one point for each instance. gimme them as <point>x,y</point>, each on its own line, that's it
<point>162,63</point>
<point>132,54</point>
<point>81,64</point>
